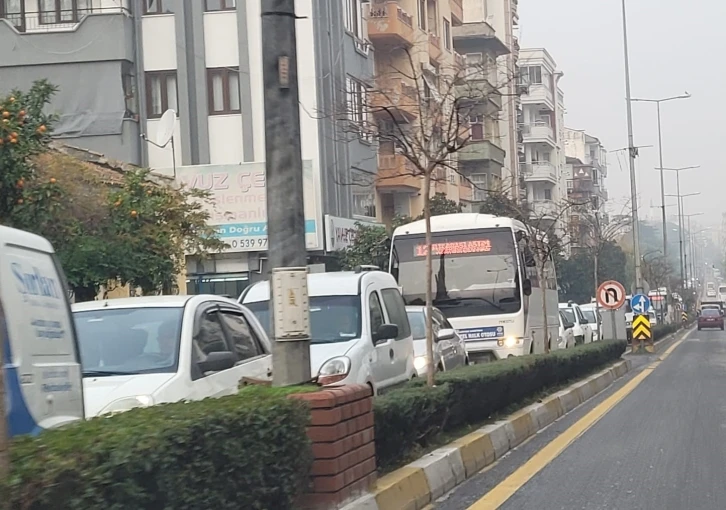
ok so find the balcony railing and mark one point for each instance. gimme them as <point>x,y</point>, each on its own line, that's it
<point>388,23</point>
<point>538,131</point>
<point>539,171</point>
<point>395,171</point>
<point>544,209</point>
<point>56,20</point>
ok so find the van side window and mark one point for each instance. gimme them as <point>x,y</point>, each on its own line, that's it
<point>242,336</point>
<point>397,312</point>
<point>376,312</point>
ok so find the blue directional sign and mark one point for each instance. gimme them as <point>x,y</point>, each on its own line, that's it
<point>640,303</point>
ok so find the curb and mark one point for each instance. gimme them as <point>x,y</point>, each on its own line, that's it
<point>416,485</point>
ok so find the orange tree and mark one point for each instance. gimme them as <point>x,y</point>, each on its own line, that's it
<point>134,230</point>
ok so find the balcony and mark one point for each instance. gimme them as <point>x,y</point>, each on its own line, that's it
<point>435,52</point>
<point>476,88</point>
<point>482,150</point>
<point>394,97</point>
<point>538,132</point>
<point>544,209</point>
<point>539,171</point>
<point>389,25</point>
<point>396,173</point>
<point>63,20</point>
<point>473,37</point>
<point>538,93</point>
<point>457,9</point>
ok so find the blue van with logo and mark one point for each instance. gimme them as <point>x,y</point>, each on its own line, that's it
<point>41,365</point>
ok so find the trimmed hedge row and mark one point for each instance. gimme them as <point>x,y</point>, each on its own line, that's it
<point>663,330</point>
<point>409,418</point>
<point>245,451</point>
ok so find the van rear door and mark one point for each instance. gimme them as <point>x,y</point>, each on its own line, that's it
<point>43,379</point>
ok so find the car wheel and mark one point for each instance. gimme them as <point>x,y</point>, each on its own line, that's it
<point>579,340</point>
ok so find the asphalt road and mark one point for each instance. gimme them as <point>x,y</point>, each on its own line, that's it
<point>662,447</point>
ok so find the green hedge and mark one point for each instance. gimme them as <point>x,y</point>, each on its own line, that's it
<point>411,417</point>
<point>663,330</point>
<point>245,451</point>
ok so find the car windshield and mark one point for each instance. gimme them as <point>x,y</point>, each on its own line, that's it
<point>332,318</point>
<point>570,314</point>
<point>417,318</point>
<point>711,312</point>
<point>120,341</point>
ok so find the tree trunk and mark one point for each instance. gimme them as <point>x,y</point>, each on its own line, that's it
<point>4,440</point>
<point>543,286</point>
<point>83,294</point>
<point>429,298</point>
<point>597,306</point>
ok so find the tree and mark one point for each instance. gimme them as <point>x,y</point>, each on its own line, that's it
<point>499,203</point>
<point>575,275</point>
<point>107,223</point>
<point>439,204</point>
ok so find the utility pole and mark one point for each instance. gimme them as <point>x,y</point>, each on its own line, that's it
<point>285,209</point>
<point>632,153</point>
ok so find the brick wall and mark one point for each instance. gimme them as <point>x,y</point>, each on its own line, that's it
<point>344,454</point>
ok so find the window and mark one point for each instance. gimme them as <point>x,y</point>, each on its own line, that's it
<point>447,34</point>
<point>479,185</point>
<point>476,125</point>
<point>161,93</point>
<point>396,312</point>
<point>422,14</point>
<point>210,337</point>
<point>63,11</point>
<point>474,65</point>
<point>14,12</point>
<point>547,194</point>
<point>535,74</point>
<point>353,18</point>
<point>223,90</point>
<point>358,107</point>
<point>220,5</point>
<point>364,204</point>
<point>242,337</point>
<point>376,312</point>
<point>153,7</point>
<point>570,184</point>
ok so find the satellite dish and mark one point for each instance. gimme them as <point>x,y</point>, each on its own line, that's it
<point>166,128</point>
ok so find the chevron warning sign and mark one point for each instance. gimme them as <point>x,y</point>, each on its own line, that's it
<point>641,328</point>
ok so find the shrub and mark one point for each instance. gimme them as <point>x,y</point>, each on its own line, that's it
<point>663,330</point>
<point>413,416</point>
<point>245,451</point>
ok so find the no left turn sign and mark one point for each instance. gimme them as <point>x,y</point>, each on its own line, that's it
<point>611,295</point>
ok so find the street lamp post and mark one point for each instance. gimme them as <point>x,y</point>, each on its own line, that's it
<point>680,219</point>
<point>690,243</point>
<point>660,152</point>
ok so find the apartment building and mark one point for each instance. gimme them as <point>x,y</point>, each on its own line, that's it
<point>585,173</point>
<point>541,120</point>
<point>483,159</point>
<point>120,64</point>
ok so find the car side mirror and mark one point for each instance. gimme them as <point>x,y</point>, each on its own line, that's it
<point>569,325</point>
<point>385,332</point>
<point>217,361</point>
<point>445,334</point>
<point>527,287</point>
<point>584,321</point>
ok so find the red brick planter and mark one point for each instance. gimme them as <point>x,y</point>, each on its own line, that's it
<point>344,453</point>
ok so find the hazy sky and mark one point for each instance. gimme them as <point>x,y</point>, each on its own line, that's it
<point>674,47</point>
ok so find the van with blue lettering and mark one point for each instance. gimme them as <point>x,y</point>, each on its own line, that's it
<point>42,369</point>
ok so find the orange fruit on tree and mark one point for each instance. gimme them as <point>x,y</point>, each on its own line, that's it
<point>134,214</point>
<point>20,201</point>
<point>21,113</point>
<point>52,180</point>
<point>42,128</point>
<point>13,140</point>
<point>6,114</point>
<point>12,99</point>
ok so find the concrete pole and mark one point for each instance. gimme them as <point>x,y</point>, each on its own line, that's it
<point>680,226</point>
<point>662,189</point>
<point>285,210</point>
<point>632,152</point>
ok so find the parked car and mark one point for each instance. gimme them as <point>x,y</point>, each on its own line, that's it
<point>449,348</point>
<point>142,351</point>
<point>566,338</point>
<point>582,331</point>
<point>710,318</point>
<point>594,319</point>
<point>42,368</point>
<point>359,327</point>
<point>653,318</point>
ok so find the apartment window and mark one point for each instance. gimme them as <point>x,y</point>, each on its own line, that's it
<point>220,5</point>
<point>447,34</point>
<point>479,187</point>
<point>153,7</point>
<point>422,14</point>
<point>595,177</point>
<point>161,93</point>
<point>223,90</point>
<point>547,194</point>
<point>476,125</point>
<point>14,12</point>
<point>535,75</point>
<point>364,203</point>
<point>570,185</point>
<point>63,11</point>
<point>358,106</point>
<point>353,17</point>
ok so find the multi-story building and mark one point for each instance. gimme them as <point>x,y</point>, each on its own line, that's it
<point>120,64</point>
<point>585,174</point>
<point>542,125</point>
<point>483,159</point>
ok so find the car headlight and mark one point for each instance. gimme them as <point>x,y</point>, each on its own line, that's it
<point>334,370</point>
<point>128,403</point>
<point>509,342</point>
<point>420,362</point>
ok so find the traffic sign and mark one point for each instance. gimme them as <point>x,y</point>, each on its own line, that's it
<point>641,328</point>
<point>640,304</point>
<point>611,295</point>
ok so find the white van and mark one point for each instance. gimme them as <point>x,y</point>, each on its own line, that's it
<point>359,327</point>
<point>40,351</point>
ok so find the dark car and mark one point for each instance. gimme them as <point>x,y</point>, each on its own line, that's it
<point>710,318</point>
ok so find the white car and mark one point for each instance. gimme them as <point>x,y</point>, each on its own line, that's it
<point>566,339</point>
<point>581,330</point>
<point>142,351</point>
<point>594,319</point>
<point>449,348</point>
<point>359,327</point>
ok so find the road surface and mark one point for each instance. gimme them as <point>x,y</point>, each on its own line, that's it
<point>657,441</point>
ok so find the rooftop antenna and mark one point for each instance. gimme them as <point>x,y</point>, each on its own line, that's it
<point>165,134</point>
